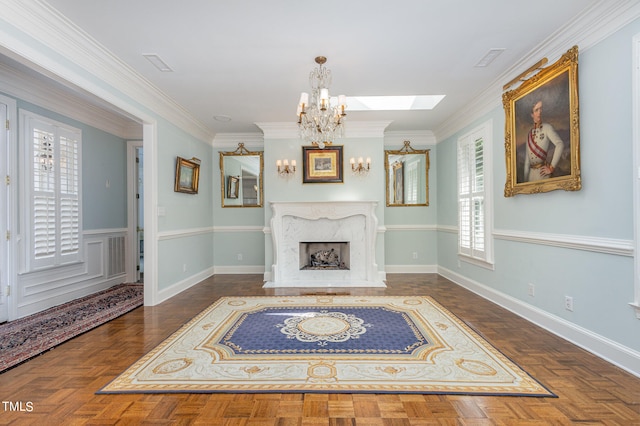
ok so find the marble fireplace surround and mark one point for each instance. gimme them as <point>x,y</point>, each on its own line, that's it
<point>352,221</point>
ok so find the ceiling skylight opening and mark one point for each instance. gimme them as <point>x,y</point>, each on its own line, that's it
<point>393,103</point>
<point>158,62</point>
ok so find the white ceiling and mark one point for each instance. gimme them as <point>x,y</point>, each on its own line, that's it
<point>250,59</point>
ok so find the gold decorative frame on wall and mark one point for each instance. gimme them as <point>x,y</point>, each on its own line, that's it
<point>231,184</point>
<point>187,175</point>
<point>322,165</point>
<point>407,176</point>
<point>546,157</point>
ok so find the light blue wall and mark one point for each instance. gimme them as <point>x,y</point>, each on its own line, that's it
<point>104,158</point>
<point>419,223</point>
<point>188,216</point>
<point>239,231</point>
<point>601,284</point>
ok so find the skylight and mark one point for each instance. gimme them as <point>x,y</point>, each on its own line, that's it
<point>392,103</point>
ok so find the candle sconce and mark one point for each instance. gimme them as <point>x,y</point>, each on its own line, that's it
<point>284,169</point>
<point>360,168</point>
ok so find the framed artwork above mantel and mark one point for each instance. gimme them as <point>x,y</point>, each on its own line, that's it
<point>322,165</point>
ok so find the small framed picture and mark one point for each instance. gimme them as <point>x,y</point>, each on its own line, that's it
<point>233,186</point>
<point>187,175</point>
<point>322,165</point>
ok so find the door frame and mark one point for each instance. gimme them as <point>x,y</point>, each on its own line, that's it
<point>9,214</point>
<point>133,248</point>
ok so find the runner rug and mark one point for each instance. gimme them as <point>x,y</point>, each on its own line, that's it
<point>326,344</point>
<point>27,337</point>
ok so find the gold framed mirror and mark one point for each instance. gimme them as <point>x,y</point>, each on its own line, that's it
<point>241,178</point>
<point>407,176</point>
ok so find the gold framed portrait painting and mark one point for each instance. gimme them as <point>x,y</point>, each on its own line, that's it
<point>542,138</point>
<point>187,175</point>
<point>322,165</point>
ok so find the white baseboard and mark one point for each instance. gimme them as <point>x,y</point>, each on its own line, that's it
<point>411,269</point>
<point>234,270</point>
<point>613,352</point>
<point>183,285</point>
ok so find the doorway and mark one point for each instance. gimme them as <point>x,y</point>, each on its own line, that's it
<point>135,270</point>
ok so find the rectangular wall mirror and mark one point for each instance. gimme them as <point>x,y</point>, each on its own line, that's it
<point>407,176</point>
<point>241,178</point>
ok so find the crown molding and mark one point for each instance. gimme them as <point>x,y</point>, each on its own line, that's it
<point>596,23</point>
<point>352,129</point>
<point>417,138</point>
<point>251,141</point>
<point>27,88</point>
<point>53,30</point>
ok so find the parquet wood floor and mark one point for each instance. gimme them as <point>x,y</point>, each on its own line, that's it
<point>59,386</point>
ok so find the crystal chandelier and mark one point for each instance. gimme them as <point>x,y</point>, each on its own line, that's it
<point>320,117</point>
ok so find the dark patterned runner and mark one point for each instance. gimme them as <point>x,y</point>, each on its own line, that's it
<point>27,337</point>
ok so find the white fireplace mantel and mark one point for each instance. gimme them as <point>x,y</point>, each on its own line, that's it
<point>352,221</point>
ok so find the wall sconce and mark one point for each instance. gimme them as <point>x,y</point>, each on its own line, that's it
<point>284,169</point>
<point>360,168</point>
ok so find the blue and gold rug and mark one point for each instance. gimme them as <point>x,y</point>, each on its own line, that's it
<point>353,344</point>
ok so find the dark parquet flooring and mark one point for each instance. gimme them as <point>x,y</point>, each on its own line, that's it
<point>59,386</point>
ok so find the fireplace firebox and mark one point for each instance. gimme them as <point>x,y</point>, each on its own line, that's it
<point>324,255</point>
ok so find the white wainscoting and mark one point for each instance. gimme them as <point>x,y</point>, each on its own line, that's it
<point>101,268</point>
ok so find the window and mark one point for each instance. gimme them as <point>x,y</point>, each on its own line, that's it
<point>52,187</point>
<point>474,196</point>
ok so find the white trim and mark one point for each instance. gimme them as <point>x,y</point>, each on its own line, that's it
<point>635,174</point>
<point>352,129</point>
<point>180,286</point>
<point>451,229</point>
<point>411,269</point>
<point>418,138</point>
<point>236,270</point>
<point>132,221</point>
<point>33,90</point>
<point>411,227</point>
<point>222,229</point>
<point>596,23</point>
<point>55,31</point>
<point>575,242</point>
<point>613,352</point>
<point>230,141</point>
<point>12,218</point>
<point>475,261</point>
<point>105,231</point>
<point>184,233</point>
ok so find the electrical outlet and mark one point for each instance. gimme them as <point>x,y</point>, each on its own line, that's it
<point>239,256</point>
<point>415,254</point>
<point>532,290</point>
<point>568,303</point>
<point>184,267</point>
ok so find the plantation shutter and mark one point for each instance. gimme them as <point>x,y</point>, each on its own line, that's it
<point>69,196</point>
<point>44,192</point>
<point>55,193</point>
<point>471,197</point>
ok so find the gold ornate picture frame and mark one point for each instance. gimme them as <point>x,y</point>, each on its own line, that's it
<point>187,175</point>
<point>322,165</point>
<point>542,137</point>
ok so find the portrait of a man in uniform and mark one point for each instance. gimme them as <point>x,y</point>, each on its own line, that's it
<point>543,132</point>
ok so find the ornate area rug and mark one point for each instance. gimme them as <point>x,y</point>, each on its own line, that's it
<point>326,344</point>
<point>27,337</point>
